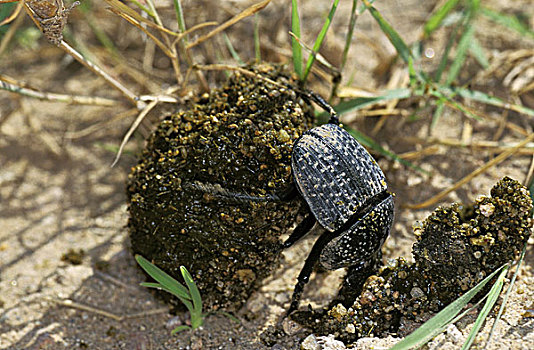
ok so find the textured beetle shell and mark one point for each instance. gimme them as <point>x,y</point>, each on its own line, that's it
<point>335,174</point>
<point>363,239</point>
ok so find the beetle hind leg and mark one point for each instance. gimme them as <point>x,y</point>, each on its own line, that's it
<point>355,278</point>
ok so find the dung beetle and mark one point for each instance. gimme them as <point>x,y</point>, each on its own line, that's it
<point>218,185</point>
<point>345,192</point>
<point>347,196</point>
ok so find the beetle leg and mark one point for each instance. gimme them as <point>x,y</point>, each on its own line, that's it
<point>355,278</point>
<point>311,260</point>
<point>300,231</point>
<point>217,190</point>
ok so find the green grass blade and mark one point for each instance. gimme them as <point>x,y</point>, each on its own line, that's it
<point>350,33</point>
<point>163,278</point>
<point>320,38</point>
<point>508,21</point>
<point>436,324</point>
<point>393,36</point>
<point>437,114</point>
<point>196,313</point>
<point>508,291</point>
<point>179,15</point>
<point>257,47</point>
<point>230,316</point>
<point>461,54</point>
<point>193,289</point>
<point>445,57</point>
<point>474,6</point>
<point>232,50</point>
<point>180,329</point>
<point>361,102</point>
<point>365,6</point>
<point>295,45</point>
<point>437,18</point>
<point>442,95</point>
<point>493,295</point>
<point>370,143</point>
<point>143,8</point>
<point>412,73</point>
<point>477,51</point>
<point>155,286</point>
<point>487,99</point>
<point>185,301</point>
<point>5,10</point>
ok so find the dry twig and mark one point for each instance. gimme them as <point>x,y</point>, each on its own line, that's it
<point>501,157</point>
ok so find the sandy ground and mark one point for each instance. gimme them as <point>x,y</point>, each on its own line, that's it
<point>58,193</point>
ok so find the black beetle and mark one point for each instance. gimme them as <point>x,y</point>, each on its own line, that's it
<point>347,195</point>
<point>217,185</point>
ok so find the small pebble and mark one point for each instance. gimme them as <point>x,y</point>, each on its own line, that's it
<point>310,343</point>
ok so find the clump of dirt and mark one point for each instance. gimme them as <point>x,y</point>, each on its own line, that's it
<point>212,189</point>
<point>74,257</point>
<point>456,248</point>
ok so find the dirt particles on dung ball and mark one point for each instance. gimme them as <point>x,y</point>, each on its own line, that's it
<point>203,194</point>
<point>457,247</point>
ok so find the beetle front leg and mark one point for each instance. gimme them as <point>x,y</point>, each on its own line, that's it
<point>300,231</point>
<point>305,272</point>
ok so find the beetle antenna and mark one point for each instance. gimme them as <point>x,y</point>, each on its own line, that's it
<point>334,119</point>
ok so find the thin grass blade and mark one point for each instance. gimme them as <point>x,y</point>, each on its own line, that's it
<point>438,112</point>
<point>163,278</point>
<point>365,6</point>
<point>435,325</point>
<point>477,51</point>
<point>508,21</point>
<point>448,100</point>
<point>493,295</point>
<point>179,15</point>
<point>143,8</point>
<point>487,99</point>
<point>393,36</point>
<point>361,102</point>
<point>295,45</point>
<point>193,289</point>
<point>461,54</point>
<point>350,33</point>
<point>437,17</point>
<point>412,73</point>
<point>320,38</point>
<point>230,316</point>
<point>195,296</point>
<point>180,329</point>
<point>370,143</point>
<point>508,291</point>
<point>445,56</point>
<point>155,286</point>
<point>257,47</point>
<point>186,302</point>
<point>232,50</point>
